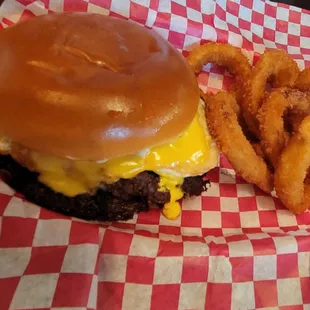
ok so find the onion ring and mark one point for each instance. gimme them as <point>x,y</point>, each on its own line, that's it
<point>273,135</point>
<point>303,81</point>
<point>222,120</point>
<point>274,65</point>
<point>224,55</point>
<point>292,168</point>
<point>231,58</point>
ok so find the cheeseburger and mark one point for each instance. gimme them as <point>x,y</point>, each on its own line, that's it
<point>100,118</point>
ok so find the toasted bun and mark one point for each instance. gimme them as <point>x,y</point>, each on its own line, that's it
<point>92,87</point>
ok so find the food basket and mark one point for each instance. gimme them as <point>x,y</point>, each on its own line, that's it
<point>234,247</point>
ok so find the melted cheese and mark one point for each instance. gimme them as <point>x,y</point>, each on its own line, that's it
<point>193,153</point>
<point>5,145</point>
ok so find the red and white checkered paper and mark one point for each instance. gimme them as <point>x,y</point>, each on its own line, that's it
<point>232,248</point>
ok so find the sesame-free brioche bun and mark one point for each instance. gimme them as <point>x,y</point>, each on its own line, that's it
<point>92,87</point>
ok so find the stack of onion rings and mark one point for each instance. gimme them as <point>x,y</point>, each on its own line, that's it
<point>264,135</point>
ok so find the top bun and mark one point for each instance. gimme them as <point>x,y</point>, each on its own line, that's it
<point>92,87</point>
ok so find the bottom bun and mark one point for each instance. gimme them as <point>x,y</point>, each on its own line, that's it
<point>114,202</point>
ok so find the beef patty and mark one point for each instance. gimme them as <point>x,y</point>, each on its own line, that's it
<point>111,202</point>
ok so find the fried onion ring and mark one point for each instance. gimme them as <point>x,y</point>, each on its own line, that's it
<point>222,119</point>
<point>275,66</point>
<point>273,135</point>
<point>292,168</point>
<point>224,55</point>
<point>231,58</point>
<point>303,81</point>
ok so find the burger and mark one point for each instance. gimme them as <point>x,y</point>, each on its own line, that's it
<point>100,118</point>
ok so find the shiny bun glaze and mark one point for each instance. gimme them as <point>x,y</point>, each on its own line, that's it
<point>92,87</point>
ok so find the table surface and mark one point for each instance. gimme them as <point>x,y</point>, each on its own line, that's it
<point>299,3</point>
